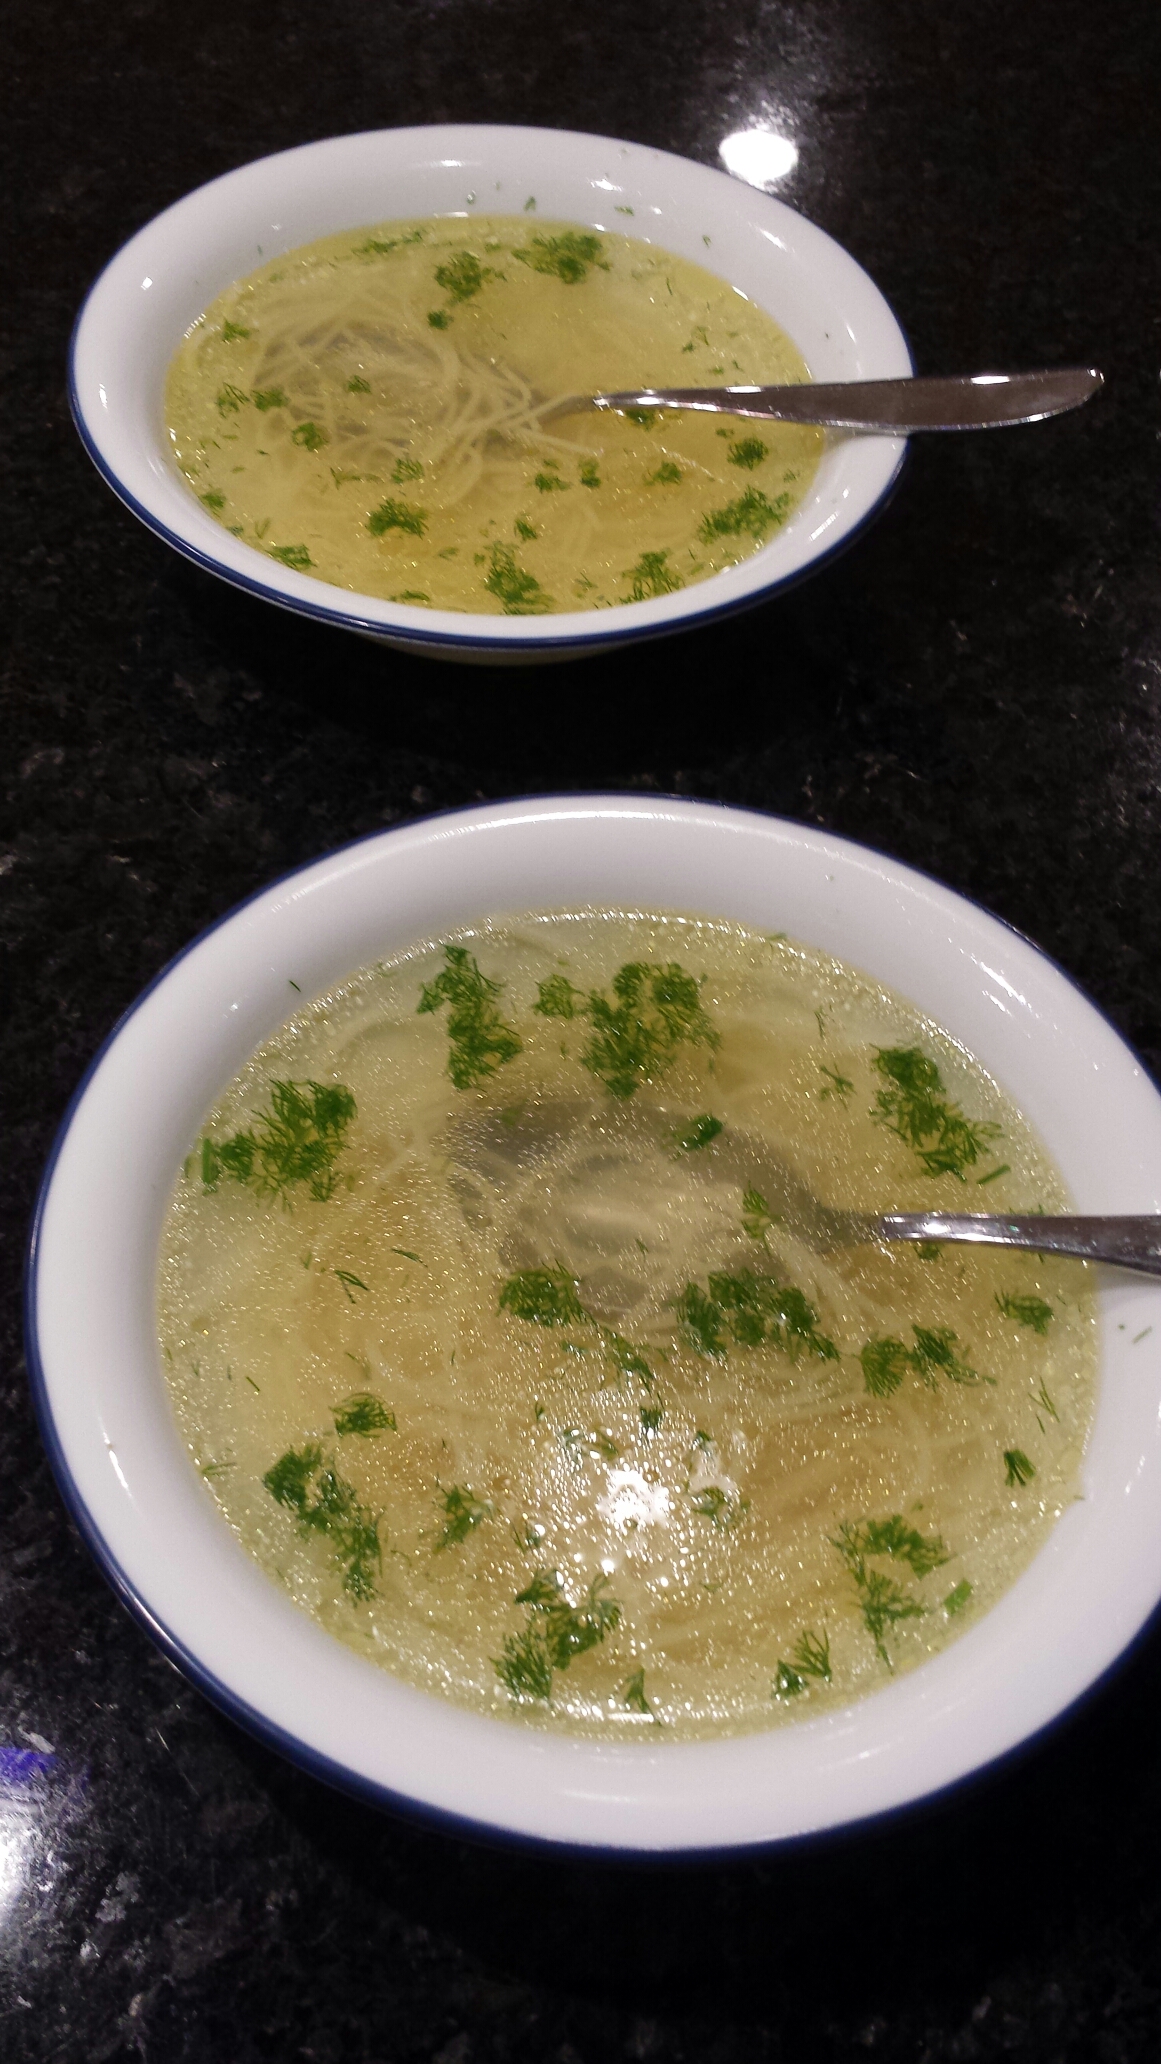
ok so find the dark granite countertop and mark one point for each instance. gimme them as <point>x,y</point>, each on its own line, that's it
<point>976,687</point>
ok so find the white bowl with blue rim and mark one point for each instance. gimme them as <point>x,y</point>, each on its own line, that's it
<point>153,290</point>
<point>153,1525</point>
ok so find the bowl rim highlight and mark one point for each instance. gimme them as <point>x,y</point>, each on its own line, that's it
<point>141,304</point>
<point>129,1483</point>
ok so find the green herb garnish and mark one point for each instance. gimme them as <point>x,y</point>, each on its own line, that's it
<point>462,1514</point>
<point>914,1107</point>
<point>748,1310</point>
<point>357,385</point>
<point>633,1693</point>
<point>232,332</point>
<point>480,1040</point>
<point>567,257</point>
<point>363,1413</point>
<point>406,469</point>
<point>882,1602</point>
<point>309,436</point>
<point>1027,1311</point>
<point>811,1658</point>
<point>715,1504</point>
<point>757,1217</point>
<point>748,452</point>
<point>1018,1470</point>
<point>667,475</point>
<point>306,1482</point>
<point>214,501</point>
<point>549,1297</point>
<point>518,591</point>
<point>651,576</point>
<point>269,397</point>
<point>589,473</point>
<point>231,400</point>
<point>752,515</point>
<point>393,515</point>
<point>957,1599</point>
<point>886,1362</point>
<point>836,1084</point>
<point>698,1133</point>
<point>463,276</point>
<point>296,556</point>
<point>296,1140</point>
<point>635,1039</point>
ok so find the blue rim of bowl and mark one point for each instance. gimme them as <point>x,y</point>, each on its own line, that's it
<point>342,1777</point>
<point>452,641</point>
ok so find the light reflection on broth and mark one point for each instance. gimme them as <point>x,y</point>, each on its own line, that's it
<point>494,1318</point>
<point>366,409</point>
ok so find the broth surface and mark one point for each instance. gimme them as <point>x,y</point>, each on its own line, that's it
<point>495,1316</point>
<point>366,409</point>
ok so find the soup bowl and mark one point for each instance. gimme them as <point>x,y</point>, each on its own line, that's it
<point>129,1481</point>
<point>158,284</point>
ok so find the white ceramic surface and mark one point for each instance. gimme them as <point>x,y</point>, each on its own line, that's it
<point>116,1448</point>
<point>147,297</point>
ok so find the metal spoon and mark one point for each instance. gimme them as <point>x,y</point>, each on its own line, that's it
<point>977,401</point>
<point>1128,1243</point>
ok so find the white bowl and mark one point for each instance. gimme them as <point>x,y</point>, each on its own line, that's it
<point>129,1482</point>
<point>147,297</point>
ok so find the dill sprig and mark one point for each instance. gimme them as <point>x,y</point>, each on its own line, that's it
<point>752,515</point>
<point>884,1603</point>
<point>556,1633</point>
<point>633,1695</point>
<point>518,592</point>
<point>1018,1470</point>
<point>757,1217</point>
<point>363,1413</point>
<point>463,1512</point>
<point>550,1297</point>
<point>652,575</point>
<point>463,276</point>
<point>723,1511</point>
<point>1027,1311</point>
<point>635,1038</point>
<point>307,1483</point>
<point>914,1107</point>
<point>296,1140</point>
<point>886,1362</point>
<point>750,1310</point>
<point>567,257</point>
<point>697,1133</point>
<point>480,1039</point>
<point>810,1657</point>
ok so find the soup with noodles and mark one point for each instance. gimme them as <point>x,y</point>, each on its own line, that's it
<point>497,1320</point>
<point>367,409</point>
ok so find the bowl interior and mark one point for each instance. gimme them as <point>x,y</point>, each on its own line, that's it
<point>155,287</point>
<point>122,1465</point>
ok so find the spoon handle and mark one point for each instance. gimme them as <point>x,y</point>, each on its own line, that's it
<point>979,401</point>
<point>1130,1243</point>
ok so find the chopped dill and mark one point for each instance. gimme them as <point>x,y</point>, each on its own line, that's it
<point>524,529</point>
<point>480,1040</point>
<point>296,556</point>
<point>408,1255</point>
<point>811,1658</point>
<point>836,1084</point>
<point>885,1362</point>
<point>1005,1168</point>
<point>550,482</point>
<point>698,1133</point>
<point>357,385</point>
<point>231,400</point>
<point>1027,1311</point>
<point>349,1282</point>
<point>757,1217</point>
<point>363,1413</point>
<point>1137,1337</point>
<point>211,1469</point>
<point>651,576</point>
<point>309,436</point>
<point>518,591</point>
<point>749,1310</point>
<point>463,276</point>
<point>232,331</point>
<point>957,1599</point>
<point>1044,1401</point>
<point>633,1693</point>
<point>463,1513</point>
<point>752,515</point>
<point>406,469</point>
<point>635,1039</point>
<point>667,475</point>
<point>544,1297</point>
<point>928,1250</point>
<point>914,1107</point>
<point>715,1504</point>
<point>589,473</point>
<point>523,1667</point>
<point>214,501</point>
<point>393,515</point>
<point>1018,1470</point>
<point>567,257</point>
<point>269,397</point>
<point>438,318</point>
<point>748,452</point>
<point>882,1602</point>
<point>555,1634</point>
<point>651,1417</point>
<point>297,1139</point>
<point>645,418</point>
<point>306,1482</point>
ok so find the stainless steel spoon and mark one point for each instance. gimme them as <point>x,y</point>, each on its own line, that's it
<point>977,401</point>
<point>1129,1243</point>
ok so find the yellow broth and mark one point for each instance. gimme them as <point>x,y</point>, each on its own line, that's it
<point>540,1390</point>
<point>366,409</point>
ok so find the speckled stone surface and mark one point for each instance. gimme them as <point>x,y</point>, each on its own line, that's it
<point>976,687</point>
